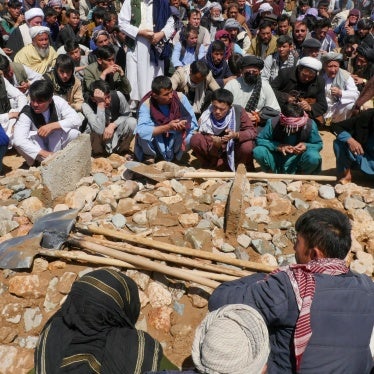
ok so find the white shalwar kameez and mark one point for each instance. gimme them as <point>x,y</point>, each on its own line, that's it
<point>140,70</point>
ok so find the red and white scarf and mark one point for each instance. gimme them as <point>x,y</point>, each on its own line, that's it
<point>304,286</point>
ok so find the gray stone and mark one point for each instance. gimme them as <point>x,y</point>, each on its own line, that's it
<point>241,254</point>
<point>301,204</point>
<point>222,192</point>
<point>278,187</point>
<point>32,318</point>
<point>370,210</point>
<point>283,225</point>
<point>22,195</point>
<point>243,240</point>
<point>29,342</point>
<point>136,229</point>
<point>119,221</point>
<point>18,187</point>
<point>7,226</point>
<point>227,248</point>
<point>259,191</point>
<point>140,218</point>
<point>65,168</point>
<point>100,178</point>
<point>291,234</point>
<point>263,246</point>
<point>5,214</point>
<point>249,225</point>
<point>280,241</point>
<point>353,203</point>
<point>257,214</point>
<point>179,308</point>
<point>178,187</point>
<point>204,224</point>
<point>327,192</point>
<point>206,198</point>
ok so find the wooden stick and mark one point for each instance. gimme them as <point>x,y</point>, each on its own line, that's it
<point>181,250</point>
<point>144,263</point>
<point>252,175</point>
<point>83,257</point>
<point>185,261</point>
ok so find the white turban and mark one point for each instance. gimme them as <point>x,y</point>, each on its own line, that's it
<point>232,339</point>
<point>265,7</point>
<point>32,13</point>
<point>311,63</point>
<point>36,30</point>
<point>216,6</point>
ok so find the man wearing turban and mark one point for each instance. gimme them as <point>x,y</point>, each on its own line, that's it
<point>39,56</point>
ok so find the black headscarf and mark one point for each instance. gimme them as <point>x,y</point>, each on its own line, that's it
<point>94,331</point>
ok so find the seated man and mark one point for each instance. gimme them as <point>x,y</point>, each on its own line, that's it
<point>264,44</point>
<point>354,145</point>
<point>217,64</point>
<point>283,58</point>
<point>18,75</point>
<point>226,134</point>
<point>65,83</point>
<point>165,125</point>
<point>45,126</point>
<point>319,314</point>
<point>39,55</point>
<point>310,48</point>
<point>251,91</point>
<point>108,119</point>
<point>73,49</point>
<point>341,91</point>
<point>289,144</point>
<point>197,83</point>
<point>363,66</point>
<point>105,69</point>
<point>303,85</point>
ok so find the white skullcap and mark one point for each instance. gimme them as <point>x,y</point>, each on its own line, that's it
<point>311,63</point>
<point>265,7</point>
<point>32,13</point>
<point>216,5</point>
<point>36,30</point>
<point>232,339</point>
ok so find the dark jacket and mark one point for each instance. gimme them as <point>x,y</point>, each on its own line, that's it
<point>342,318</point>
<point>67,33</point>
<point>288,81</point>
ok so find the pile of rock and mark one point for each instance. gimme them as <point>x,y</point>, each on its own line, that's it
<point>188,213</point>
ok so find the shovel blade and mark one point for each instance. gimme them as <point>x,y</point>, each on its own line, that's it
<point>19,253</point>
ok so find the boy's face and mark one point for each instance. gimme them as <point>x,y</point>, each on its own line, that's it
<point>40,106</point>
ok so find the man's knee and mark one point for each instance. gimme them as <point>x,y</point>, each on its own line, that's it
<point>197,142</point>
<point>260,153</point>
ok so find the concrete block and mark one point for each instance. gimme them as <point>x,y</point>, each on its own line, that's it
<point>65,168</point>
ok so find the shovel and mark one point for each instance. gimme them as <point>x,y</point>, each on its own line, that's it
<point>50,232</point>
<point>157,175</point>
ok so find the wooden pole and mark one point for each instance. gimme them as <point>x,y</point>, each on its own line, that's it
<point>180,250</point>
<point>83,257</point>
<point>142,262</point>
<point>157,255</point>
<point>253,175</point>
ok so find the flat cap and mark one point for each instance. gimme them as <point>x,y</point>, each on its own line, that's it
<point>252,61</point>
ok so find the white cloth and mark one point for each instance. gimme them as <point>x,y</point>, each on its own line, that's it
<point>25,32</point>
<point>37,30</point>
<point>32,13</point>
<point>140,71</point>
<point>311,63</point>
<point>17,101</point>
<point>338,110</point>
<point>27,141</point>
<point>242,92</point>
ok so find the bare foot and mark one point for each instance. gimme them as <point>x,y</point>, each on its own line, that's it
<point>346,178</point>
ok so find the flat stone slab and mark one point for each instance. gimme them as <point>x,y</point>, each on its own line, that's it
<point>62,172</point>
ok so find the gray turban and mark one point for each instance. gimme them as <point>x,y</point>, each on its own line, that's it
<point>232,339</point>
<point>232,23</point>
<point>36,30</point>
<point>216,5</point>
<point>331,56</point>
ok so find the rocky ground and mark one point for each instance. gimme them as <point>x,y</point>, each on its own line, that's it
<point>189,213</point>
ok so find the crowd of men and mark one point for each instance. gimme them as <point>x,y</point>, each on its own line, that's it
<point>233,81</point>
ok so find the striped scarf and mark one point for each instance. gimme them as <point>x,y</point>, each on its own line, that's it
<point>304,286</point>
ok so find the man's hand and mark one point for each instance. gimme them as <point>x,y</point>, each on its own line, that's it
<point>109,131</point>
<point>82,30</point>
<point>357,79</point>
<point>43,154</point>
<point>336,91</point>
<point>99,98</point>
<point>146,34</point>
<point>111,70</point>
<point>355,147</point>
<point>20,20</point>
<point>284,149</point>
<point>229,135</point>
<point>299,148</point>
<point>177,125</point>
<point>8,51</point>
<point>305,105</point>
<point>23,87</point>
<point>13,115</point>
<point>217,142</point>
<point>45,130</point>
<point>157,36</point>
<point>254,117</point>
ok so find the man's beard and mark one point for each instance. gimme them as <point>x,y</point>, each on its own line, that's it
<point>43,52</point>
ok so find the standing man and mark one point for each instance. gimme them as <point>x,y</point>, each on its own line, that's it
<point>165,125</point>
<point>45,126</point>
<point>320,315</point>
<point>147,25</point>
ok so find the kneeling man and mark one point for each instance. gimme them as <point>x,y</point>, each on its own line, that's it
<point>226,134</point>
<point>45,126</point>
<point>289,143</point>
